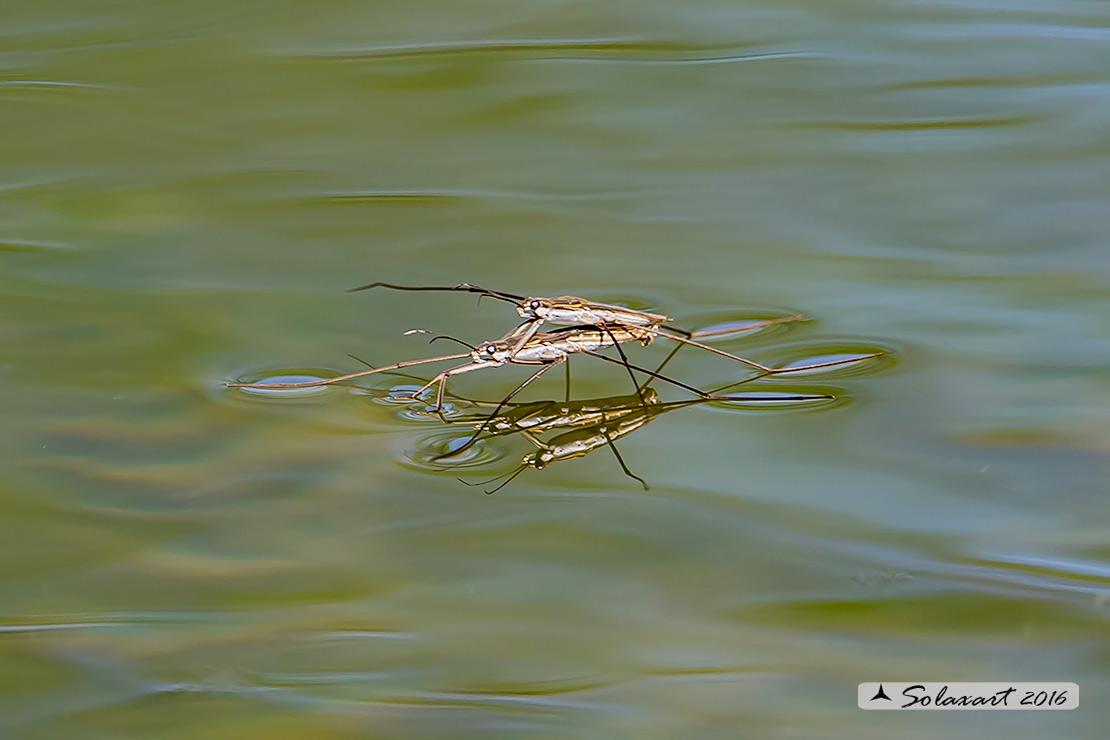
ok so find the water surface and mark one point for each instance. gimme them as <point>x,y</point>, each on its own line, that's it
<point>187,189</point>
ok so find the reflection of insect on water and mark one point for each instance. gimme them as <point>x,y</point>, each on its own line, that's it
<point>537,417</point>
<point>581,442</point>
<point>592,424</point>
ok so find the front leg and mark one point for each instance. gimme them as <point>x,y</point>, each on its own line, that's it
<point>566,385</point>
<point>533,327</point>
<point>459,371</point>
<point>442,380</point>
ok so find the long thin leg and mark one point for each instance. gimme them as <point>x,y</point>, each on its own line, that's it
<point>533,439</point>
<point>533,327</point>
<point>624,359</point>
<point>358,359</point>
<point>566,386</point>
<point>437,378</point>
<point>329,381</point>
<point>663,364</point>
<point>652,373</point>
<point>679,345</point>
<point>763,368</point>
<point>508,480</point>
<point>442,380</point>
<point>692,343</point>
<point>482,427</point>
<point>624,467</point>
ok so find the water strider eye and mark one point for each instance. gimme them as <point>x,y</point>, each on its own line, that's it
<point>534,304</point>
<point>489,349</point>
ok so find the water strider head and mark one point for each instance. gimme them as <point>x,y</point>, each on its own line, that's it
<point>504,349</point>
<point>499,352</point>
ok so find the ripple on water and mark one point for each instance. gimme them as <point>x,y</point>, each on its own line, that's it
<point>781,398</point>
<point>478,455</point>
<point>830,358</point>
<point>285,375</point>
<point>396,395</point>
<point>400,398</point>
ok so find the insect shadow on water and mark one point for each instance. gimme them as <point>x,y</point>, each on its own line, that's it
<point>589,425</point>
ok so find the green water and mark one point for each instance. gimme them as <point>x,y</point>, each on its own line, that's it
<point>186,189</point>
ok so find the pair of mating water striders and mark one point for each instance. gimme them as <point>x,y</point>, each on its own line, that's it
<point>588,327</point>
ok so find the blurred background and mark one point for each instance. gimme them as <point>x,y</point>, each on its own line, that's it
<point>186,189</point>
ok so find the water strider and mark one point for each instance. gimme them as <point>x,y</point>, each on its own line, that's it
<point>575,311</point>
